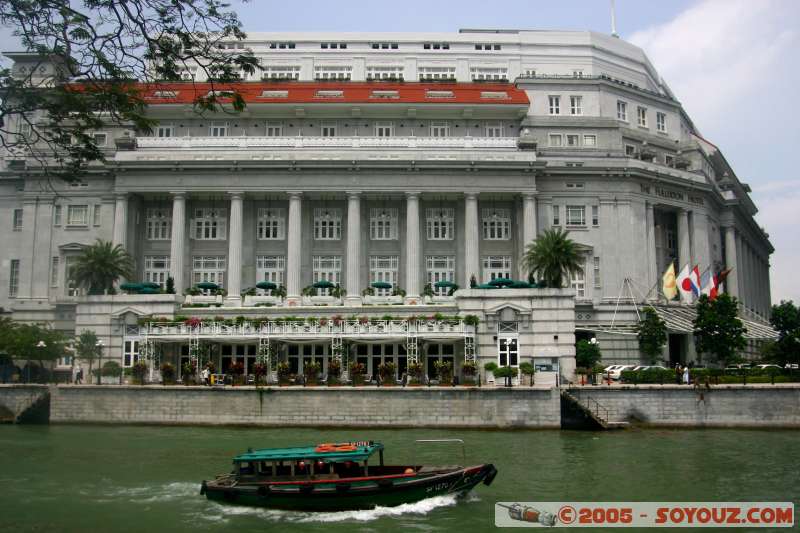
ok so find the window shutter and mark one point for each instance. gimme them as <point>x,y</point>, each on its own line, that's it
<point>222,228</point>
<point>192,228</point>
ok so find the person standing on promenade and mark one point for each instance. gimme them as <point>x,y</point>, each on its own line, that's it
<point>79,376</point>
<point>686,375</point>
<point>677,373</point>
<point>205,374</point>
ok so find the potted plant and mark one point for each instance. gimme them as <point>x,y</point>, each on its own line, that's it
<point>528,369</point>
<point>284,373</point>
<point>507,372</point>
<point>188,371</point>
<point>490,368</point>
<point>357,371</point>
<point>444,372</point>
<point>337,320</point>
<point>237,369</point>
<point>168,374</point>
<point>311,372</point>
<point>386,371</point>
<point>470,370</point>
<point>334,371</point>
<point>582,372</point>
<point>139,372</point>
<point>427,291</point>
<point>415,371</point>
<point>260,371</point>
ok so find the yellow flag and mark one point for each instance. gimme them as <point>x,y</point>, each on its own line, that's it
<point>669,287</point>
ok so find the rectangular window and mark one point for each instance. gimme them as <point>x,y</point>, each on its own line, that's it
<point>277,72</point>
<point>156,269</point>
<point>17,220</point>
<point>158,224</point>
<point>165,130</point>
<point>622,111</point>
<point>383,224</point>
<point>13,279</point>
<point>440,129</point>
<point>210,224</point>
<point>77,215</point>
<point>54,262</point>
<point>208,268</point>
<point>555,105</point>
<point>70,285</point>
<point>597,281</point>
<point>488,73</point>
<point>661,122</point>
<point>496,224</point>
<point>271,224</point>
<point>385,73</point>
<point>270,268</point>
<point>590,141</point>
<point>328,129</point>
<point>578,282</point>
<point>56,215</point>
<point>440,224</point>
<point>641,116</point>
<point>573,141</point>
<point>100,139</point>
<point>274,129</point>
<point>327,224</point>
<point>332,72</point>
<point>383,268</point>
<point>630,150</point>
<point>669,160</point>
<point>576,105</point>
<point>595,216</point>
<point>384,129</point>
<point>130,352</point>
<point>556,217</point>
<point>96,211</point>
<point>329,268</point>
<point>556,140</point>
<point>218,129</point>
<point>576,215</point>
<point>440,268</point>
<point>436,73</point>
<point>493,130</point>
<point>496,266</point>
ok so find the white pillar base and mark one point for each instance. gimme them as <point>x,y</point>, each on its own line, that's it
<point>232,301</point>
<point>294,301</point>
<point>413,300</point>
<point>353,301</point>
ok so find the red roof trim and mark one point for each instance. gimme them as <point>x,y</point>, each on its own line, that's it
<point>352,92</point>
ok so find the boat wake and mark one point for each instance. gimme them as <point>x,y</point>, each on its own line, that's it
<point>420,507</point>
<point>153,493</point>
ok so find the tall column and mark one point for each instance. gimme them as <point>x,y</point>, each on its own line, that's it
<point>529,229</point>
<point>471,239</point>
<point>234,298</point>
<point>353,282</point>
<point>294,249</point>
<point>177,242</point>
<point>684,245</point>
<point>702,246</point>
<point>120,235</point>
<point>412,247</point>
<point>653,266</point>
<point>731,261</point>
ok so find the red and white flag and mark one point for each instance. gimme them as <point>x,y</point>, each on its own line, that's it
<point>688,279</point>
<point>710,284</point>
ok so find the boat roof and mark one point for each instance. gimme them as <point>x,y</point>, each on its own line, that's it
<point>361,452</point>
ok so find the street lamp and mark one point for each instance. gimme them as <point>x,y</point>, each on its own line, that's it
<point>99,346</point>
<point>40,345</point>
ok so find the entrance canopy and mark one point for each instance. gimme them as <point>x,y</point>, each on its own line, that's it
<point>680,319</point>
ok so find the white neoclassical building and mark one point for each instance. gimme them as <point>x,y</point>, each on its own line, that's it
<point>386,164</point>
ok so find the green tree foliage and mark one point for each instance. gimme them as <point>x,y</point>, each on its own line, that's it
<point>587,354</point>
<point>100,47</point>
<point>86,348</point>
<point>100,265</point>
<point>528,369</point>
<point>717,328</point>
<point>31,342</point>
<point>652,334</point>
<point>552,257</point>
<point>785,318</point>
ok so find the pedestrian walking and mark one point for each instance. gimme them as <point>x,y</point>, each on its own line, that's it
<point>79,376</point>
<point>677,373</point>
<point>686,375</point>
<point>205,375</point>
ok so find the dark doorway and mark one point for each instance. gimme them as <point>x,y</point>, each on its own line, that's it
<point>676,355</point>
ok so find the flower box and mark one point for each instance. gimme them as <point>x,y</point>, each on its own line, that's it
<point>321,300</point>
<point>202,299</point>
<point>252,301</point>
<point>382,300</point>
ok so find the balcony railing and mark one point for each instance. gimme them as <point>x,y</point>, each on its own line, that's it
<point>432,143</point>
<point>330,328</point>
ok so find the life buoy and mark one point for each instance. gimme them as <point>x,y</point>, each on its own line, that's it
<point>346,448</point>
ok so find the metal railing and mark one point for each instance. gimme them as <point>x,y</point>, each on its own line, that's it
<point>600,412</point>
<point>327,142</point>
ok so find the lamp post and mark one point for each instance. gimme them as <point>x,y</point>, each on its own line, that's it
<point>99,346</point>
<point>41,345</point>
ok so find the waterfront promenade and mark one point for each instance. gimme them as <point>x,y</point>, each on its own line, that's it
<point>538,407</point>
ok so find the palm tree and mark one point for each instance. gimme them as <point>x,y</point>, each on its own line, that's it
<point>552,256</point>
<point>100,265</point>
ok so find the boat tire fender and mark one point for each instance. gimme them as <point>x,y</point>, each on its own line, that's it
<point>263,491</point>
<point>342,487</point>
<point>203,488</point>
<point>307,488</point>
<point>385,483</point>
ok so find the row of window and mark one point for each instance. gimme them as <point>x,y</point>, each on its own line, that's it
<point>572,140</point>
<point>641,116</point>
<point>211,224</point>
<point>331,129</point>
<point>212,268</point>
<point>77,216</point>
<point>575,105</point>
<point>575,215</point>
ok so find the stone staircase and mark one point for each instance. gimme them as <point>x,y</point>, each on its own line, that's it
<point>593,410</point>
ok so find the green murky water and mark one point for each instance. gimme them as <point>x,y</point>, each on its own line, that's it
<point>113,479</point>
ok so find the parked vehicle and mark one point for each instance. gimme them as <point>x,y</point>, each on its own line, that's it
<point>617,372</point>
<point>766,366</point>
<point>649,367</point>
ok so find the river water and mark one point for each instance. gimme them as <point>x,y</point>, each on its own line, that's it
<point>134,478</point>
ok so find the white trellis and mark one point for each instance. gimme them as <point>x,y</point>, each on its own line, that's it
<point>412,346</point>
<point>264,355</point>
<point>469,349</point>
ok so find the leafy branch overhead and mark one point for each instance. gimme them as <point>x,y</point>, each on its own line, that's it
<point>84,60</point>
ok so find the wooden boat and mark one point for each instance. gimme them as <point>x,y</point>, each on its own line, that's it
<point>336,477</point>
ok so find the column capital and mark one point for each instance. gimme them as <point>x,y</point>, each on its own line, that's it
<point>236,195</point>
<point>413,194</point>
<point>120,195</point>
<point>353,194</point>
<point>178,194</point>
<point>471,195</point>
<point>530,195</point>
<point>295,194</point>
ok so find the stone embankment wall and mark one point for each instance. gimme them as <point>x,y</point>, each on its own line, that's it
<point>772,406</point>
<point>17,401</point>
<point>518,407</point>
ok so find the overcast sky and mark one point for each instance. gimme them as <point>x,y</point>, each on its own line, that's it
<point>732,64</point>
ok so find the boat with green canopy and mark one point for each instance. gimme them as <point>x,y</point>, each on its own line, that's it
<point>337,477</point>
